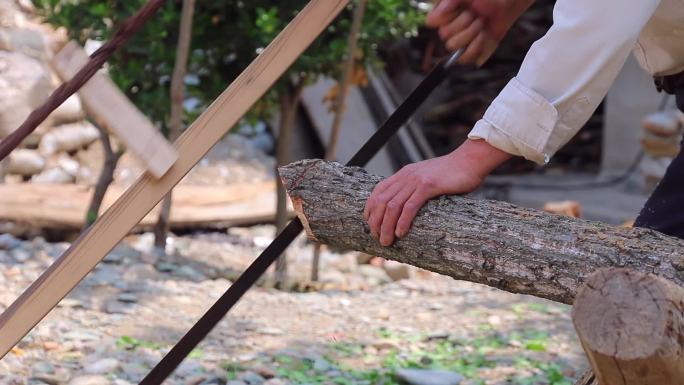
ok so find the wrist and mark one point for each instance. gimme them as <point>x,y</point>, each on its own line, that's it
<point>479,157</point>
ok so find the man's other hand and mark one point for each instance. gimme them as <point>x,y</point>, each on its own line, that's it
<point>478,25</point>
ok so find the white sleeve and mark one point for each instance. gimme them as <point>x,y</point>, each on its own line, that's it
<point>564,76</point>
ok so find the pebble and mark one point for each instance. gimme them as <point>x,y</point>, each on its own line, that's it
<point>251,378</point>
<point>322,365</point>
<point>127,298</point>
<point>236,382</point>
<point>90,380</point>
<point>166,267</point>
<point>271,331</point>
<point>190,273</point>
<point>20,254</point>
<point>8,242</point>
<point>116,307</point>
<point>43,367</point>
<point>428,377</point>
<point>102,366</point>
<point>276,381</point>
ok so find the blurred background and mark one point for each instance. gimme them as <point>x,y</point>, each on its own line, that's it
<point>327,316</point>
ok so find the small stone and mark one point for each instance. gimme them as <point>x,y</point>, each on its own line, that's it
<point>396,270</point>
<point>127,298</point>
<point>251,378</point>
<point>213,380</point>
<point>20,255</point>
<point>322,365</point>
<point>386,345</point>
<point>271,331</point>
<point>50,345</point>
<point>428,377</point>
<point>116,307</point>
<point>119,381</point>
<point>8,242</point>
<point>265,371</point>
<point>42,368</point>
<point>439,335</point>
<point>134,371</point>
<point>374,275</point>
<point>164,267</point>
<point>70,302</point>
<point>190,273</point>
<point>53,176</point>
<point>189,368</point>
<point>90,380</point>
<point>236,382</point>
<point>276,381</point>
<point>103,366</point>
<point>196,380</point>
<point>52,379</point>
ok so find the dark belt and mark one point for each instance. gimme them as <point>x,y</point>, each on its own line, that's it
<point>673,85</point>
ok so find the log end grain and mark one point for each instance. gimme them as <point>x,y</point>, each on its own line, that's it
<point>631,325</point>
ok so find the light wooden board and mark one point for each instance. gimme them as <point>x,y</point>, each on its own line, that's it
<point>139,199</point>
<point>112,110</point>
<point>63,207</point>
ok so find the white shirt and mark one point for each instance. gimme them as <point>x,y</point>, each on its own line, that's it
<point>567,73</point>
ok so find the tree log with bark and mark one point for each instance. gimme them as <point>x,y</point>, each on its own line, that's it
<point>631,325</point>
<point>515,249</point>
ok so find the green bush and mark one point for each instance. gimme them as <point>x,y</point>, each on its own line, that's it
<point>227,35</point>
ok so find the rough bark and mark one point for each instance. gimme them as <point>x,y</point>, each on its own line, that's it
<point>631,325</point>
<point>495,243</point>
<point>106,177</point>
<point>587,378</point>
<point>176,120</point>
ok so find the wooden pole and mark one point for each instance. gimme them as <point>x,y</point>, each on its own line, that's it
<point>146,192</point>
<point>340,106</point>
<point>494,243</point>
<point>177,96</point>
<point>631,325</point>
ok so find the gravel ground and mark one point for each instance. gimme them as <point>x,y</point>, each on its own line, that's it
<point>355,326</point>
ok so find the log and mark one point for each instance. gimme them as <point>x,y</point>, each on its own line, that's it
<point>63,207</point>
<point>631,325</point>
<point>515,249</point>
<point>147,191</point>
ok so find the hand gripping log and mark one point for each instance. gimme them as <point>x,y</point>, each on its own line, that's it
<point>70,268</point>
<point>214,315</point>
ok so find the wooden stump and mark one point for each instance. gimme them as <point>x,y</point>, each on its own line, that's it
<point>631,325</point>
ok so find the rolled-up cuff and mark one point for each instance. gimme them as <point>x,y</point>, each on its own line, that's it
<point>521,122</point>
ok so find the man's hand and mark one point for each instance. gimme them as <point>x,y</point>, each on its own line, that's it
<point>477,24</point>
<point>395,201</point>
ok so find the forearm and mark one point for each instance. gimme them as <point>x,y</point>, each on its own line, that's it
<point>479,157</point>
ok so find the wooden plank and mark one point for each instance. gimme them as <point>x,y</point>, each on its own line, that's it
<point>63,207</point>
<point>139,199</point>
<point>112,110</point>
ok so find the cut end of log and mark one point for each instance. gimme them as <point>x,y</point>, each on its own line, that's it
<point>629,315</point>
<point>291,176</point>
